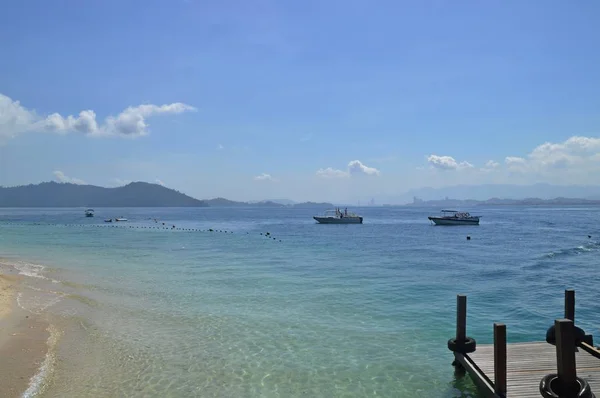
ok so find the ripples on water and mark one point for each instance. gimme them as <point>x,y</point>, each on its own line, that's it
<point>330,310</point>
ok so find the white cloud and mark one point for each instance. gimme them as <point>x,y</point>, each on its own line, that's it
<point>490,164</point>
<point>159,182</point>
<point>515,163</point>
<point>119,182</point>
<point>332,173</point>
<point>447,163</point>
<point>15,119</point>
<point>575,156</point>
<point>61,177</point>
<point>355,167</point>
<point>575,150</point>
<point>264,177</point>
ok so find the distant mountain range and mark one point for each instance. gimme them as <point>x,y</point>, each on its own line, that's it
<point>445,203</point>
<point>485,191</point>
<point>142,194</point>
<point>222,202</point>
<point>135,194</point>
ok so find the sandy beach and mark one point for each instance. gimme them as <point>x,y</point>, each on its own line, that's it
<point>23,339</point>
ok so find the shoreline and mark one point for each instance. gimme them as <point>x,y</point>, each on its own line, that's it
<point>24,340</point>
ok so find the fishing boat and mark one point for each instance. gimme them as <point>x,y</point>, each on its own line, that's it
<point>89,213</point>
<point>120,219</point>
<point>336,216</point>
<point>453,217</point>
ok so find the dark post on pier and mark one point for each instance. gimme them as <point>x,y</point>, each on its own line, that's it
<point>565,357</point>
<point>524,370</point>
<point>570,304</point>
<point>461,317</point>
<point>500,358</point>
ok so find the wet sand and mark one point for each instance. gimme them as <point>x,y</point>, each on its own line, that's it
<point>23,339</point>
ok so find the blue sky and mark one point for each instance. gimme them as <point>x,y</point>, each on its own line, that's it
<point>312,100</point>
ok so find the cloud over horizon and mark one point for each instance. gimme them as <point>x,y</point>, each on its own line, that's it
<point>447,163</point>
<point>354,168</point>
<point>575,160</point>
<point>264,177</point>
<point>576,154</point>
<point>131,122</point>
<point>61,177</point>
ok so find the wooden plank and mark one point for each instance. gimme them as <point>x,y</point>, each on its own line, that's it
<point>590,349</point>
<point>528,363</point>
<point>477,375</point>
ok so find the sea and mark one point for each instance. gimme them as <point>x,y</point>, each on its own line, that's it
<point>265,302</point>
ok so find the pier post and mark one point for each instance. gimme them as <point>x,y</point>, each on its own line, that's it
<point>461,343</point>
<point>565,356</point>
<point>578,333</point>
<point>500,374</point>
<point>461,317</point>
<point>570,304</point>
<point>565,383</point>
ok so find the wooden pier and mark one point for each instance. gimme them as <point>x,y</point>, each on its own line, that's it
<point>566,365</point>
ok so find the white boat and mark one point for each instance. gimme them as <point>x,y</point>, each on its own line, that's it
<point>89,213</point>
<point>337,216</point>
<point>120,219</point>
<point>453,217</point>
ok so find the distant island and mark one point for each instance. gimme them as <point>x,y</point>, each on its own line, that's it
<point>135,194</point>
<point>503,202</point>
<point>222,202</point>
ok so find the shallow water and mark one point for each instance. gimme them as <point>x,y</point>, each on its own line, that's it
<point>321,310</point>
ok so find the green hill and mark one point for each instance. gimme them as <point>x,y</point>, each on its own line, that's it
<point>135,194</point>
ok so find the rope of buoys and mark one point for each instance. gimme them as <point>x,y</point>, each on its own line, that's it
<point>266,234</point>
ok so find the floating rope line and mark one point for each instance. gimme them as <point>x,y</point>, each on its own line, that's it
<point>161,227</point>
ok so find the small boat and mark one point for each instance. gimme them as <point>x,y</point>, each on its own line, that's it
<point>120,219</point>
<point>453,217</point>
<point>89,213</point>
<point>108,220</point>
<point>337,216</point>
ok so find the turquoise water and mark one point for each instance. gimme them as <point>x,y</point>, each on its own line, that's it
<point>319,311</point>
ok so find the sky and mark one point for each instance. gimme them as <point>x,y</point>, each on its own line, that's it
<point>314,100</point>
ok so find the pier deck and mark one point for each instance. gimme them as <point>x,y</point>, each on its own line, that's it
<point>566,364</point>
<point>527,364</point>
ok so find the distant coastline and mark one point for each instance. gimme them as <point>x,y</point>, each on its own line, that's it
<point>504,202</point>
<point>143,194</point>
<point>135,194</point>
